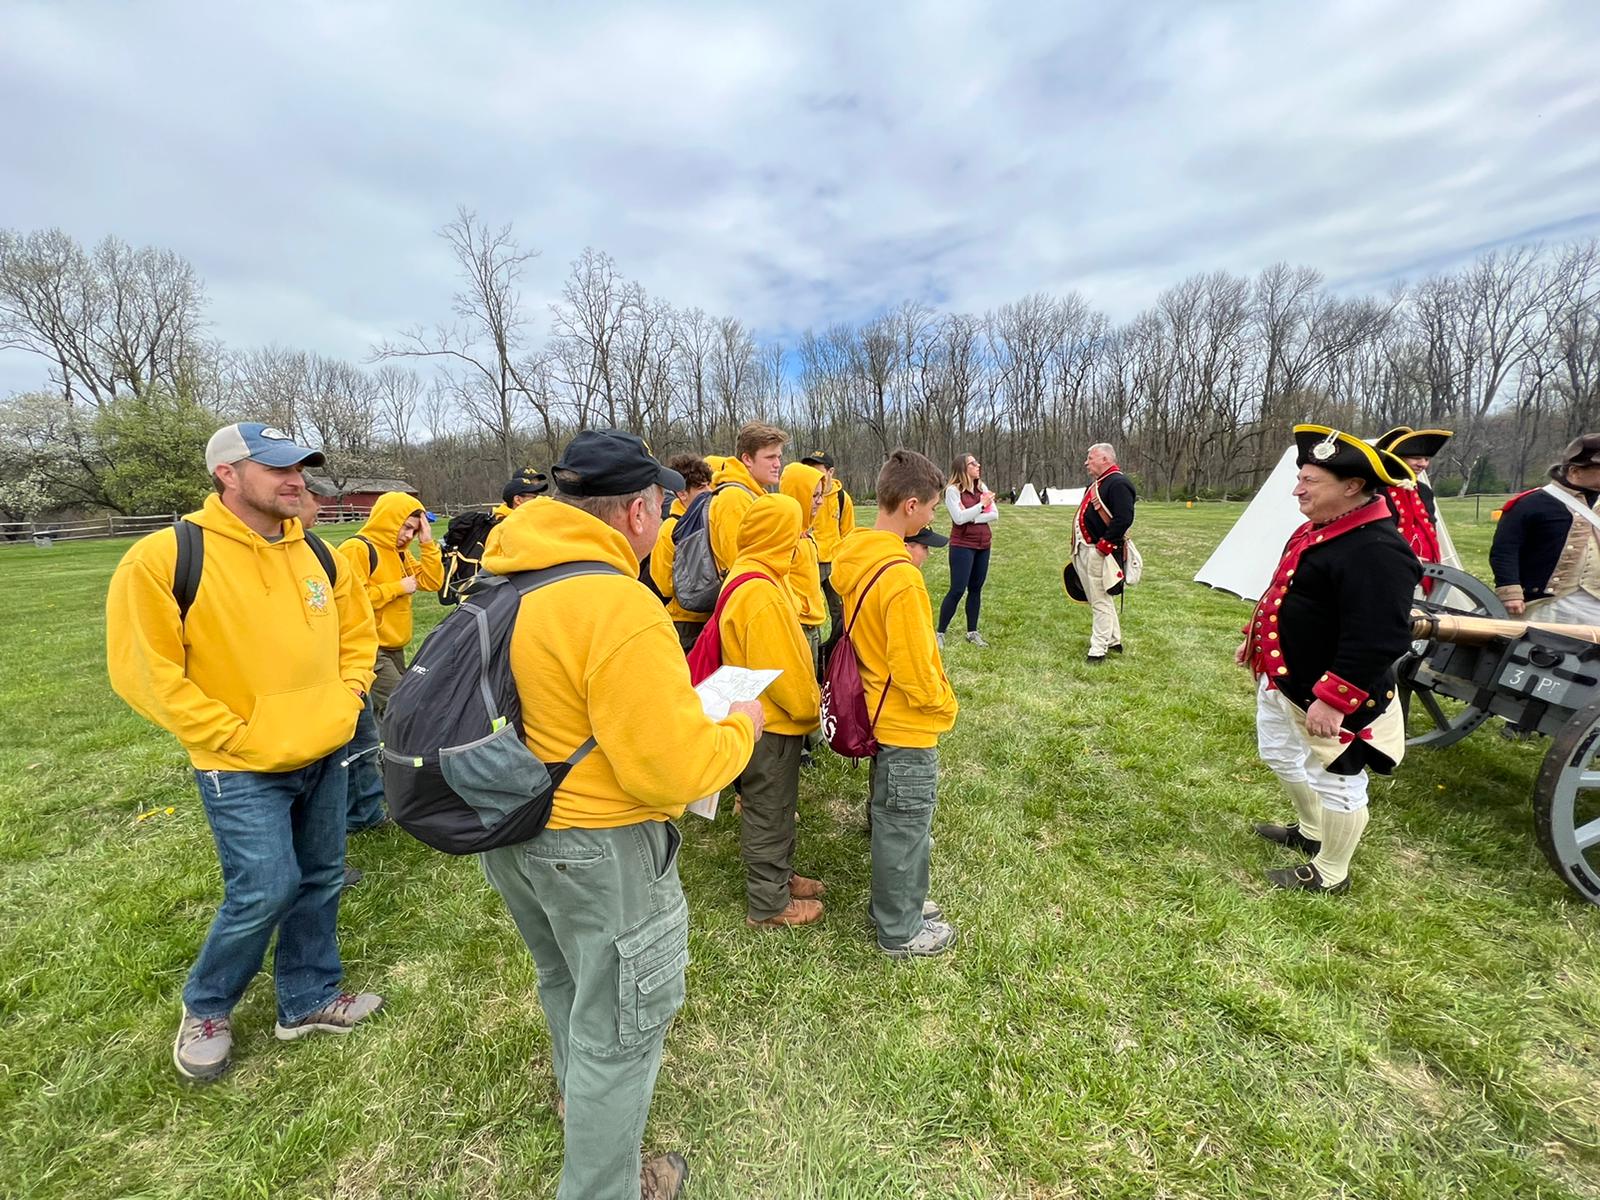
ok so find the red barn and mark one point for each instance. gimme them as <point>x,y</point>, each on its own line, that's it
<point>354,493</point>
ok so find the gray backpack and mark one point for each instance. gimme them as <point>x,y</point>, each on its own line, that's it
<point>695,578</point>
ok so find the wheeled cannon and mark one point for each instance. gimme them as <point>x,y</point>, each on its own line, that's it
<point>1470,663</point>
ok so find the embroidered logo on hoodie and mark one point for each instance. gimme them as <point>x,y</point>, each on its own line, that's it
<point>316,595</point>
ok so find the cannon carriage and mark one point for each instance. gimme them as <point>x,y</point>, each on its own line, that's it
<point>1470,663</point>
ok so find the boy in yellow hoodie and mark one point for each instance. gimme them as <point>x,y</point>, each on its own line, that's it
<point>890,619</point>
<point>760,630</point>
<point>260,681</point>
<point>381,564</point>
<point>696,474</point>
<point>754,468</point>
<point>805,486</point>
<point>836,520</point>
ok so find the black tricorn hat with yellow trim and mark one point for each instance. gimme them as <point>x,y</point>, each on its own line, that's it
<point>1405,442</point>
<point>1348,457</point>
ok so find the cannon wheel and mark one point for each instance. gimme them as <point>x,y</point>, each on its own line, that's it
<point>1566,804</point>
<point>1467,595</point>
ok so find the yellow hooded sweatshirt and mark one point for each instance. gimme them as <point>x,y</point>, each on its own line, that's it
<point>836,519</point>
<point>759,626</point>
<point>729,506</point>
<point>661,567</point>
<point>385,583</point>
<point>805,581</point>
<point>264,673</point>
<point>894,637</point>
<point>597,655</point>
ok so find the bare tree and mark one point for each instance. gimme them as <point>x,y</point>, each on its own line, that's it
<point>480,351</point>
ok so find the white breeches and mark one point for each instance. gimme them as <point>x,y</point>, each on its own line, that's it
<point>1281,739</point>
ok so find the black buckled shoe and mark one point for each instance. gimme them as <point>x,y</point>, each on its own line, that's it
<point>1117,649</point>
<point>1305,878</point>
<point>1290,836</point>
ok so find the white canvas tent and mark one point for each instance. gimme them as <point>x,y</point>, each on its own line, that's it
<point>1072,497</point>
<point>1244,560</point>
<point>1028,497</point>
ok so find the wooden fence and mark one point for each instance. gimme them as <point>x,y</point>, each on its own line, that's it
<point>24,533</point>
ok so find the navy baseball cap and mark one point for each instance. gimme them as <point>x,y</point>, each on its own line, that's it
<point>819,458</point>
<point>928,536</point>
<point>609,462</point>
<point>526,482</point>
<point>259,443</point>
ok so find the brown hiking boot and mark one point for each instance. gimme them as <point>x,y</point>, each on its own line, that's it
<point>798,912</point>
<point>662,1176</point>
<point>802,888</point>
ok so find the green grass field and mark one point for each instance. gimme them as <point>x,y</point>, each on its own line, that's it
<point>1130,1011</point>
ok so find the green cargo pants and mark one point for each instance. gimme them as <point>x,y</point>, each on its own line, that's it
<point>605,917</point>
<point>905,789</point>
<point>770,787</point>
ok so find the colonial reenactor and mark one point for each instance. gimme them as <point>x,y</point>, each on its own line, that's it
<point>1413,503</point>
<point>1322,644</point>
<point>1104,517</point>
<point>1546,549</point>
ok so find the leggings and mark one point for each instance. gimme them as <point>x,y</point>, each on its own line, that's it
<point>968,569</point>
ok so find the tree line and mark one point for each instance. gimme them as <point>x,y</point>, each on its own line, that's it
<point>1197,392</point>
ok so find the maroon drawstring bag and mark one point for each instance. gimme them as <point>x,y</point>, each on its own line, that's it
<point>844,700</point>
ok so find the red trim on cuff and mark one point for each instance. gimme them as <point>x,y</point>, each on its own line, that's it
<point>1105,547</point>
<point>1341,694</point>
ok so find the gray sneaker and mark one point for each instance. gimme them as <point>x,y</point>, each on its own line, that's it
<point>338,1015</point>
<point>934,938</point>
<point>931,911</point>
<point>204,1047</point>
<point>939,637</point>
<point>976,639</point>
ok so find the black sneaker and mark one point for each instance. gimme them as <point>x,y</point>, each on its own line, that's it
<point>1290,836</point>
<point>1305,878</point>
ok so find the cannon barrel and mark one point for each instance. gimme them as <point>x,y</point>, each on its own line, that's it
<point>1472,631</point>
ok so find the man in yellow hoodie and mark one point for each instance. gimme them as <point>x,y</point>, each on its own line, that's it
<point>760,630</point>
<point>260,681</point>
<point>836,518</point>
<point>381,563</point>
<point>754,469</point>
<point>696,474</point>
<point>890,619</point>
<point>596,896</point>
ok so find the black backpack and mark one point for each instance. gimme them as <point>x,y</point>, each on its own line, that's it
<point>192,561</point>
<point>462,550</point>
<point>456,771</point>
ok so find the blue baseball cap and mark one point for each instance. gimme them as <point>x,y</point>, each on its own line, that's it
<point>259,443</point>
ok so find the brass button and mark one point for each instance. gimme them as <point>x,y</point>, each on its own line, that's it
<point>1283,670</point>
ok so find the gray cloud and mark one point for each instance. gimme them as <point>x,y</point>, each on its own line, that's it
<point>797,166</point>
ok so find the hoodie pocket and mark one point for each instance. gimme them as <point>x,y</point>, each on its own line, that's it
<point>289,730</point>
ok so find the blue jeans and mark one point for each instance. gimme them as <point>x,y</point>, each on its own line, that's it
<point>365,801</point>
<point>280,839</point>
<point>968,569</point>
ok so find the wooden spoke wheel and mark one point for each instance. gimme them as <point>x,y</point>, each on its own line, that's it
<point>1433,719</point>
<point>1566,804</point>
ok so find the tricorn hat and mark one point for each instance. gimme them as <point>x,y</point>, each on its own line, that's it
<point>1348,457</point>
<point>1111,577</point>
<point>1405,442</point>
<point>1581,452</point>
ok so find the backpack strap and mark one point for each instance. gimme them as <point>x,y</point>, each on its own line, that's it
<point>860,600</point>
<point>372,552</point>
<point>531,581</point>
<point>324,556</point>
<point>191,560</point>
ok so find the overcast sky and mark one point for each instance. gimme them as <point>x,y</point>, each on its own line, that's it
<point>792,164</point>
